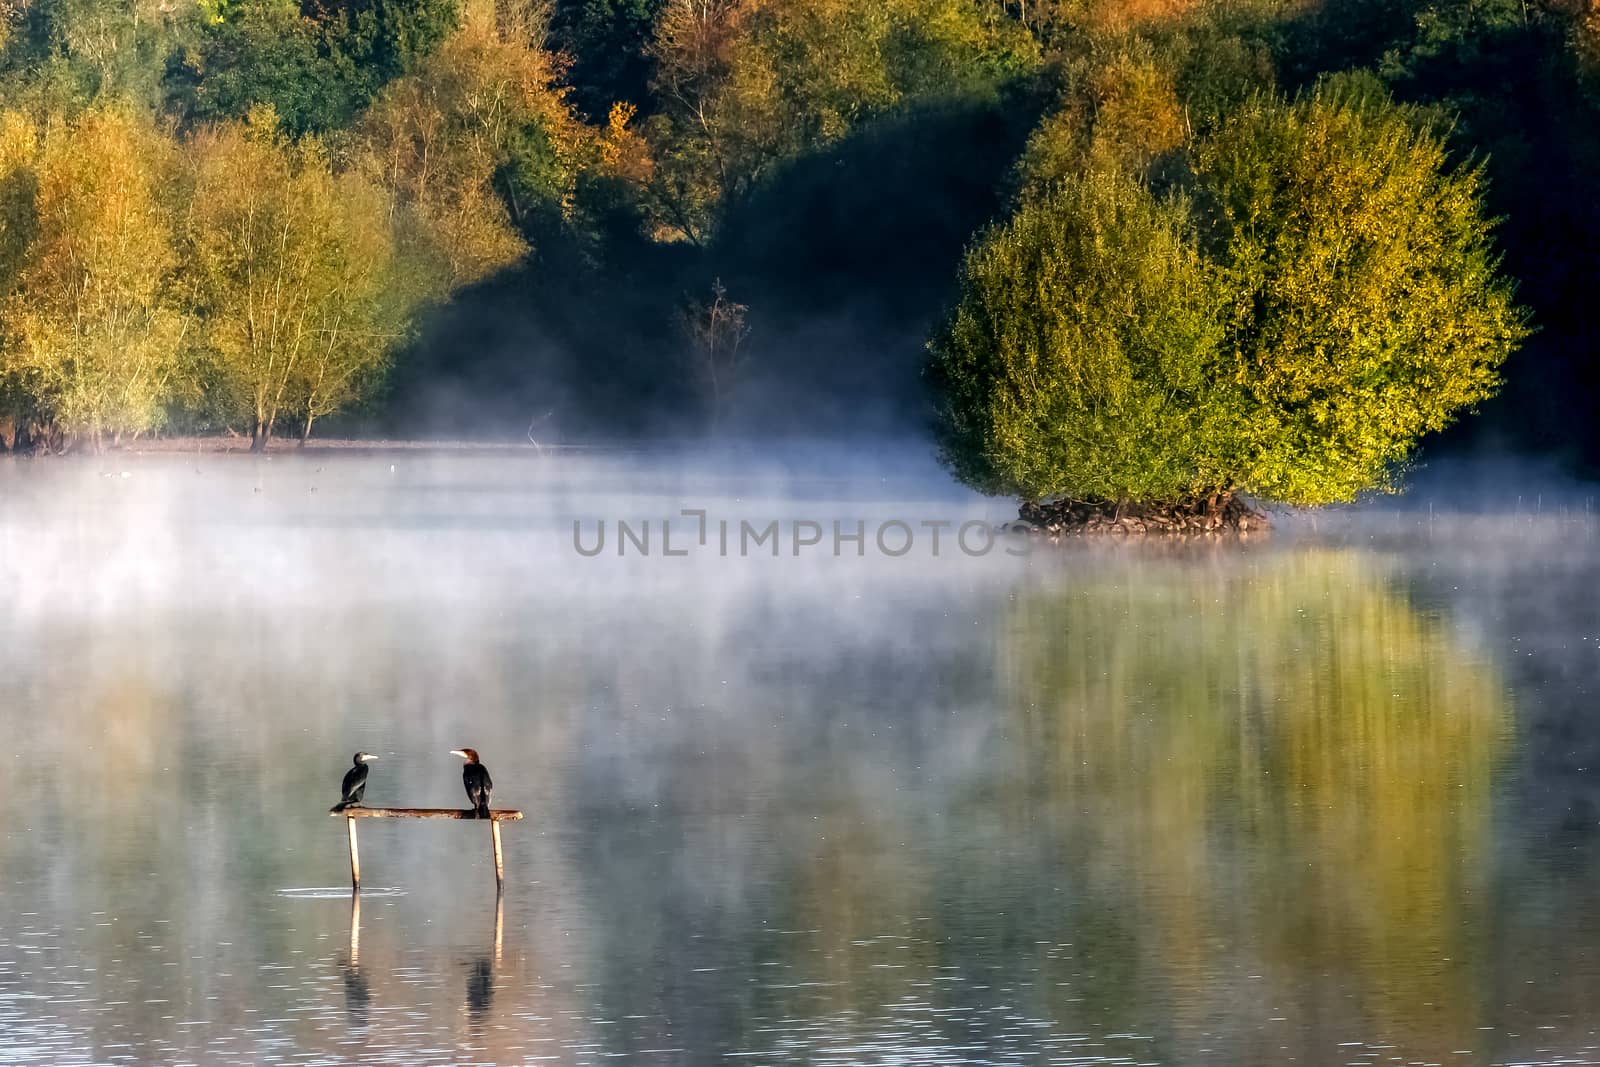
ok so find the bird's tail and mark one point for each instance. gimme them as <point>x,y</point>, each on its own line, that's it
<point>343,804</point>
<point>483,809</point>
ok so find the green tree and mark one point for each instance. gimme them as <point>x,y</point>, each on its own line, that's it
<point>375,41</point>
<point>92,324</point>
<point>608,43</point>
<point>261,52</point>
<point>1366,305</point>
<point>67,54</point>
<point>362,314</point>
<point>744,87</point>
<point>1333,297</point>
<point>473,134</point>
<point>1081,359</point>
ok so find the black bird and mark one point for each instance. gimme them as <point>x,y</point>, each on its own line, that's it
<point>355,782</point>
<point>475,776</point>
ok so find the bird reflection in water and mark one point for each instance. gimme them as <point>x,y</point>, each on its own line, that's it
<point>356,993</point>
<point>481,972</point>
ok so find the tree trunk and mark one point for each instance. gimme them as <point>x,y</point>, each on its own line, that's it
<point>305,431</point>
<point>259,436</point>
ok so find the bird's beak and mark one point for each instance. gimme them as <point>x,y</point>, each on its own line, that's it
<point>368,758</point>
<point>458,752</point>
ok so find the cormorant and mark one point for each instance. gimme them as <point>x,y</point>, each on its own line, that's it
<point>475,776</point>
<point>355,782</point>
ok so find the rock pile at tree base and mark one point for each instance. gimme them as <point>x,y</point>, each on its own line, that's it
<point>1219,515</point>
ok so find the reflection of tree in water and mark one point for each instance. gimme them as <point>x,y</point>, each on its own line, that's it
<point>1274,767</point>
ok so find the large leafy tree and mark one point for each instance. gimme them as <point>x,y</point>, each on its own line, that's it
<point>1082,358</point>
<point>1333,296</point>
<point>291,268</point>
<point>317,62</point>
<point>255,52</point>
<point>1366,305</point>
<point>68,53</point>
<point>467,140</point>
<point>92,323</point>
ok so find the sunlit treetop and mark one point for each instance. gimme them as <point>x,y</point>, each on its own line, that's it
<point>1317,292</point>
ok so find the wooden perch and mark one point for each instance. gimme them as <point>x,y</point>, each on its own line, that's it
<point>424,813</point>
<point>351,814</point>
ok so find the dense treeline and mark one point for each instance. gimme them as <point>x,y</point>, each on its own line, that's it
<point>622,216</point>
<point>848,250</point>
<point>177,250</point>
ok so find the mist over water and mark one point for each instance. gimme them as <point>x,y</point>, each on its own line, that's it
<point>1321,799</point>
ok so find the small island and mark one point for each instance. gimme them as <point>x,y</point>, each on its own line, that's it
<point>1275,309</point>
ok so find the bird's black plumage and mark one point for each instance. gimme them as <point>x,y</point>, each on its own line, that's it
<point>354,786</point>
<point>475,776</point>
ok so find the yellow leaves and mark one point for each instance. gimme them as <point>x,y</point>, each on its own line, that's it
<point>1123,116</point>
<point>261,122</point>
<point>692,43</point>
<point>1586,43</point>
<point>19,146</point>
<point>92,319</point>
<point>623,152</point>
<point>18,142</point>
<point>293,271</point>
<point>289,288</point>
<point>1376,313</point>
<point>438,137</point>
<point>1137,112</point>
<point>1084,340</point>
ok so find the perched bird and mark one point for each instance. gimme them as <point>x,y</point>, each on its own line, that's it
<point>355,782</point>
<point>475,776</point>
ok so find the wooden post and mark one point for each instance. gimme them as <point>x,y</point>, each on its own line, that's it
<point>355,857</point>
<point>499,863</point>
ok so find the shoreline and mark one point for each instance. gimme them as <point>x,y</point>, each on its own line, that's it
<point>1218,515</point>
<point>240,445</point>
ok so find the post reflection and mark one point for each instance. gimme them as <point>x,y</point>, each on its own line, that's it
<point>357,993</point>
<point>483,969</point>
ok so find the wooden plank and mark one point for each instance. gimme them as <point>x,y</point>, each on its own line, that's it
<point>498,815</point>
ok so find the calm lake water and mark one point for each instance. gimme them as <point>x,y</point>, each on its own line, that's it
<point>1328,799</point>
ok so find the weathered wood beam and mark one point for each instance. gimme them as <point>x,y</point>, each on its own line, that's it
<point>498,815</point>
